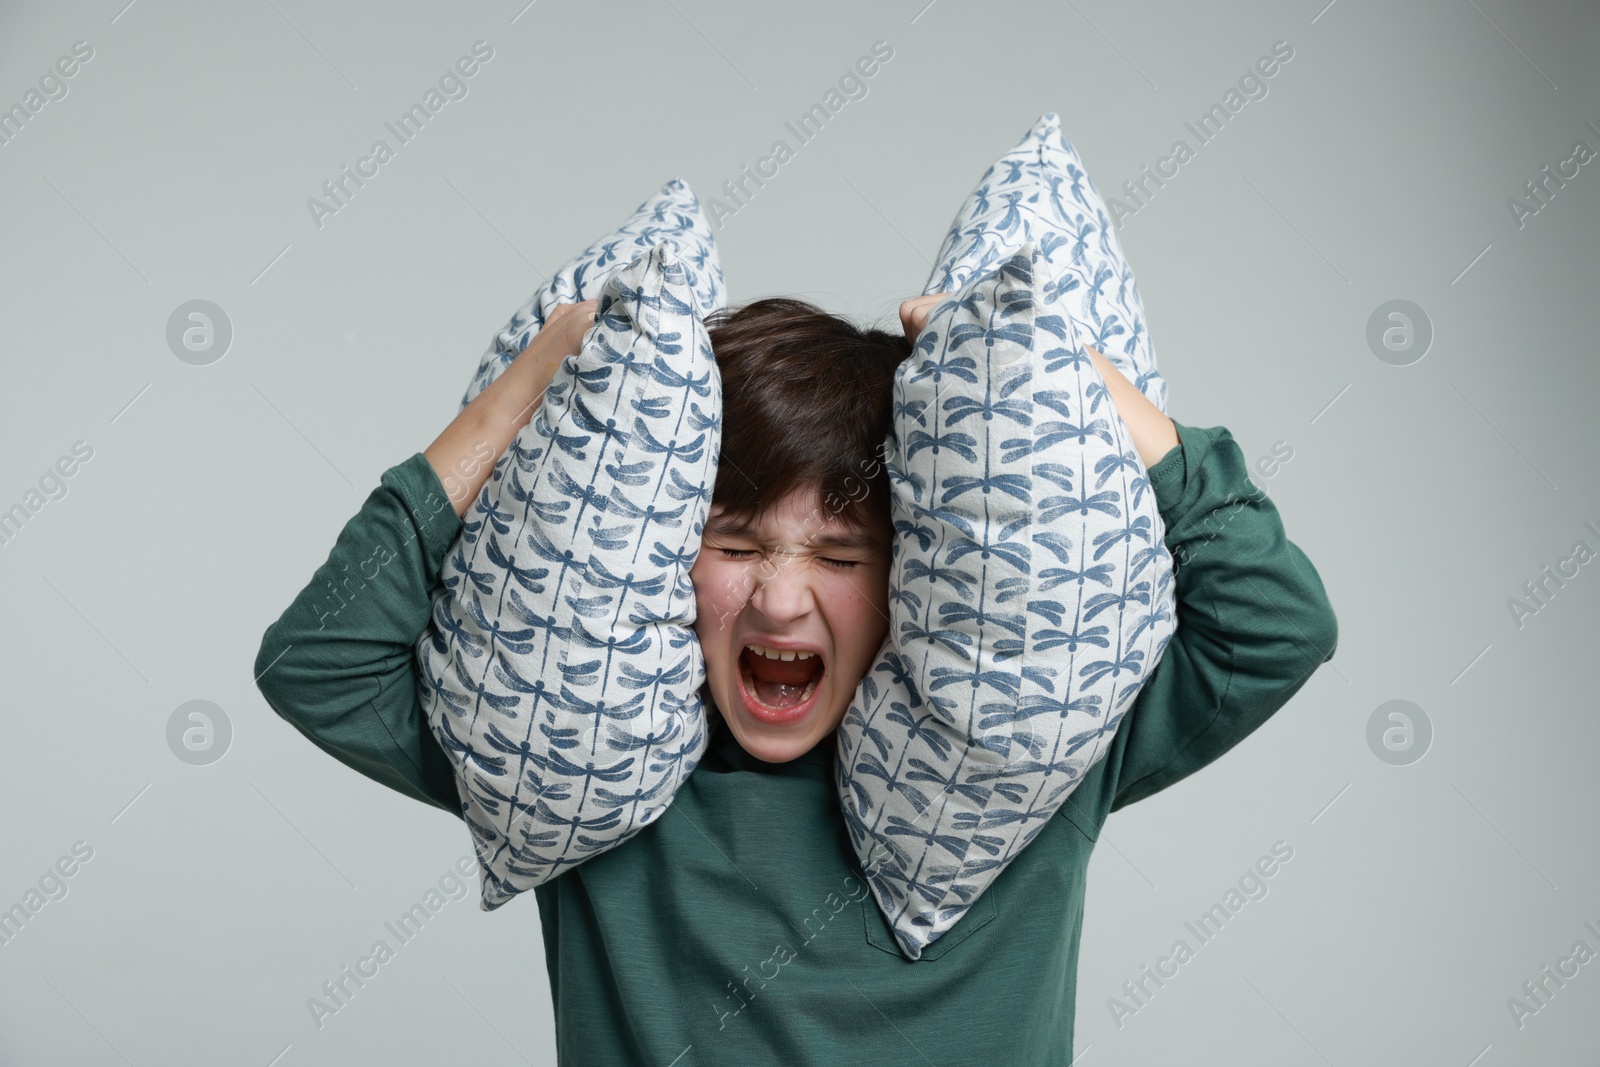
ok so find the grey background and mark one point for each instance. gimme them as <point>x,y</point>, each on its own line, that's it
<point>220,897</point>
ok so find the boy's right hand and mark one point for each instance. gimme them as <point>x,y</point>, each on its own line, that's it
<point>535,367</point>
<point>463,455</point>
<point>565,328</point>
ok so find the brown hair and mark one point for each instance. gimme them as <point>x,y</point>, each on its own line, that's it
<point>807,402</point>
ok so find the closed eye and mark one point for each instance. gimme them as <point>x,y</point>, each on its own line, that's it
<point>744,553</point>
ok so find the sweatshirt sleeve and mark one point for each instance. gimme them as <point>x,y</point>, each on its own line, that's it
<point>1254,622</point>
<point>339,664</point>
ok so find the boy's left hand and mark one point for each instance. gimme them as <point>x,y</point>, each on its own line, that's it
<point>914,313</point>
<point>1154,434</point>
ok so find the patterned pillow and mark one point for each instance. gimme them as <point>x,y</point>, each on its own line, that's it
<point>1031,594</point>
<point>1039,192</point>
<point>672,213</point>
<point>561,670</point>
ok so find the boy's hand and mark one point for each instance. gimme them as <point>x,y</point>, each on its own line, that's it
<point>536,365</point>
<point>1154,434</point>
<point>566,326</point>
<point>914,313</point>
<point>463,455</point>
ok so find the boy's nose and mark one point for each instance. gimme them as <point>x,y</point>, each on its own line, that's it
<point>783,589</point>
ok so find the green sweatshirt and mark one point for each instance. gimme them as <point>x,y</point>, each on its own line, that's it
<point>737,928</point>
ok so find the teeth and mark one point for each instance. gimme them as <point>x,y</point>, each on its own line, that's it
<point>783,654</point>
<point>750,686</point>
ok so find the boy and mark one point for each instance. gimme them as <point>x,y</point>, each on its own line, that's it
<point>737,928</point>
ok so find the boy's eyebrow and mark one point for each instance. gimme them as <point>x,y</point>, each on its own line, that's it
<point>728,525</point>
<point>738,526</point>
<point>853,539</point>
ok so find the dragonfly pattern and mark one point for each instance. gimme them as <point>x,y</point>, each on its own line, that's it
<point>672,213</point>
<point>1032,591</point>
<point>1041,192</point>
<point>560,672</point>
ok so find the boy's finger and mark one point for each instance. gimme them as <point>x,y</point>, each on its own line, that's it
<point>914,312</point>
<point>910,320</point>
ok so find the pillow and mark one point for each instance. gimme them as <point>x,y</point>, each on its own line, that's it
<point>673,212</point>
<point>560,672</point>
<point>1030,592</point>
<point>1039,192</point>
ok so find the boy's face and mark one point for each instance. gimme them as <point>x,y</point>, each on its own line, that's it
<point>800,579</point>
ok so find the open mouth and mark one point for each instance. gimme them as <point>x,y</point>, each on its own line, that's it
<point>779,685</point>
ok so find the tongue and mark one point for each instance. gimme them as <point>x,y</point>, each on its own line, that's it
<point>780,683</point>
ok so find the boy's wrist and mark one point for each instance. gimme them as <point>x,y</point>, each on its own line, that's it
<point>1169,474</point>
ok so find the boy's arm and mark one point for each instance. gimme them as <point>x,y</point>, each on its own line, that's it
<point>1254,622</point>
<point>339,663</point>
